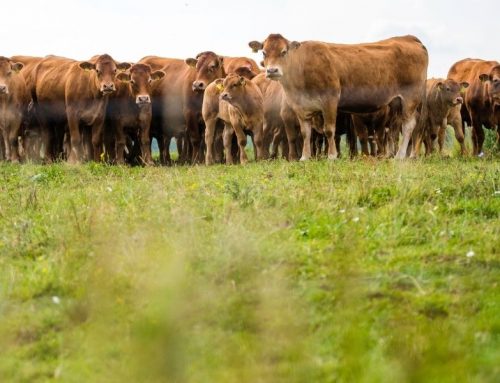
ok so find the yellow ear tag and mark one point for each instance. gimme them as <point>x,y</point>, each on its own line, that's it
<point>219,87</point>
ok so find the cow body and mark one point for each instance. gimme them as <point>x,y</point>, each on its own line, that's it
<point>322,78</point>
<point>482,98</point>
<point>14,99</point>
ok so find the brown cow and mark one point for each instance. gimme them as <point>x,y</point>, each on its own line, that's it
<point>321,78</point>
<point>31,129</point>
<point>238,102</point>
<point>75,93</point>
<point>14,101</point>
<point>178,97</point>
<point>130,108</point>
<point>482,98</point>
<point>442,106</point>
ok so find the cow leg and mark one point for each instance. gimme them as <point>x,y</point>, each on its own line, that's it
<point>442,135</point>
<point>145,136</point>
<point>121,141</point>
<point>97,137</point>
<point>209,139</point>
<point>13,133</point>
<point>330,119</point>
<point>477,135</point>
<point>291,131</point>
<point>258,140</point>
<point>75,156</point>
<point>242,142</point>
<point>193,134</point>
<point>305,129</point>
<point>455,120</point>
<point>408,127</point>
<point>228,143</point>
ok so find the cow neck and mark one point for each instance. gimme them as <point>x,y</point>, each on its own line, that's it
<point>250,106</point>
<point>436,106</point>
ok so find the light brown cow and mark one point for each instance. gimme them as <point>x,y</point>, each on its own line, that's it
<point>75,93</point>
<point>239,104</point>
<point>322,78</point>
<point>130,109</point>
<point>14,101</point>
<point>177,100</point>
<point>482,98</point>
<point>442,107</point>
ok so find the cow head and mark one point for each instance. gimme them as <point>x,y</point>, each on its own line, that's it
<point>105,69</point>
<point>209,67</point>
<point>492,80</point>
<point>275,50</point>
<point>7,70</point>
<point>233,88</point>
<point>450,92</point>
<point>140,77</point>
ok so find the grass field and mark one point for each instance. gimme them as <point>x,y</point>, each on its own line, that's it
<point>353,271</point>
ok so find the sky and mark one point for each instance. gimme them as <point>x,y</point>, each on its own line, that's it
<point>131,29</point>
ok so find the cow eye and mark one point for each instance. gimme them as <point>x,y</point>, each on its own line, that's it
<point>264,54</point>
<point>132,82</point>
<point>283,53</point>
<point>448,89</point>
<point>9,73</point>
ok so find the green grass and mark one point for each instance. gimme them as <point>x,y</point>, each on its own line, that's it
<point>353,271</point>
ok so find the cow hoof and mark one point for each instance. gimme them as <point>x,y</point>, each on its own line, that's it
<point>332,157</point>
<point>303,159</point>
<point>481,155</point>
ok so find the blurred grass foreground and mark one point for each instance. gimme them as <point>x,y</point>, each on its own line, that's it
<point>356,271</point>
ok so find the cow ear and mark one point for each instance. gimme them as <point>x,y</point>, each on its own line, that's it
<point>221,61</point>
<point>245,72</point>
<point>191,62</point>
<point>16,67</point>
<point>256,46</point>
<point>85,65</point>
<point>123,77</point>
<point>219,84</point>
<point>484,77</point>
<point>294,45</point>
<point>464,85</point>
<point>123,66</point>
<point>156,75</point>
<point>440,85</point>
<point>242,81</point>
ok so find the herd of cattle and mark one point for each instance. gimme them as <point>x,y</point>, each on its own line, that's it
<point>299,105</point>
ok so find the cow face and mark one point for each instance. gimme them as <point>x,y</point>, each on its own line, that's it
<point>7,70</point>
<point>106,69</point>
<point>140,77</point>
<point>275,50</point>
<point>492,80</point>
<point>209,67</point>
<point>450,92</point>
<point>234,88</point>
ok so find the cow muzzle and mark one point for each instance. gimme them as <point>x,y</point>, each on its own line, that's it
<point>459,100</point>
<point>273,73</point>
<point>4,89</point>
<point>108,88</point>
<point>198,86</point>
<point>226,96</point>
<point>143,100</point>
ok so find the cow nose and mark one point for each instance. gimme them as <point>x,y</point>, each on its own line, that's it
<point>460,100</point>
<point>3,89</point>
<point>109,87</point>
<point>225,96</point>
<point>143,99</point>
<point>198,85</point>
<point>272,70</point>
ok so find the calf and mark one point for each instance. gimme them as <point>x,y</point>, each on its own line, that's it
<point>130,108</point>
<point>14,101</point>
<point>442,106</point>
<point>239,104</point>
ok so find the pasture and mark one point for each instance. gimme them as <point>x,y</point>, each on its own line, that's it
<point>353,271</point>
